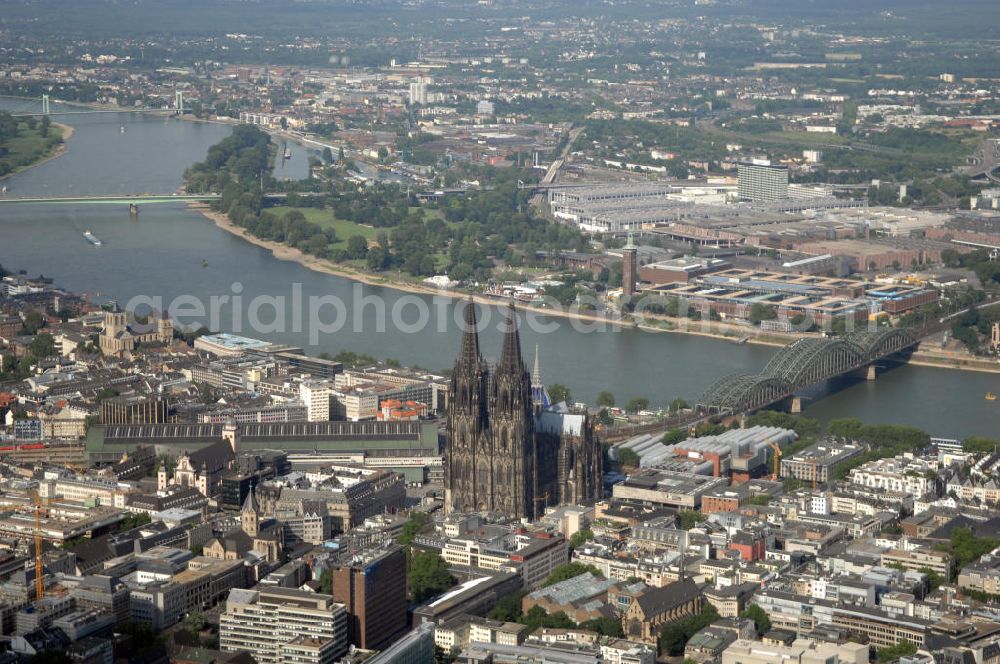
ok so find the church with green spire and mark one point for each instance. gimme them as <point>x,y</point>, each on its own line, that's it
<point>509,451</point>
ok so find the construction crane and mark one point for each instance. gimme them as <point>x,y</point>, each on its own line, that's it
<point>544,499</point>
<point>39,564</point>
<point>776,460</point>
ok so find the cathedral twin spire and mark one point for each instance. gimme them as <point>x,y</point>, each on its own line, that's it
<point>470,355</point>
<point>495,458</point>
<point>510,356</point>
<point>511,364</point>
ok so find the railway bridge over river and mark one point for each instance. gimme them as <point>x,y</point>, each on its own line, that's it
<point>804,364</point>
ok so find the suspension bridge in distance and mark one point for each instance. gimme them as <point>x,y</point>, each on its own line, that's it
<point>46,109</point>
<point>134,199</point>
<point>95,111</point>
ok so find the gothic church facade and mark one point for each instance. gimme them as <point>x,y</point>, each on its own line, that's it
<point>507,451</point>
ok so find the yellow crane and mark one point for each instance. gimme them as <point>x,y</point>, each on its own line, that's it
<point>775,460</point>
<point>39,564</point>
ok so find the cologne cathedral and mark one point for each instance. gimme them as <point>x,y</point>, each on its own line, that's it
<point>508,450</point>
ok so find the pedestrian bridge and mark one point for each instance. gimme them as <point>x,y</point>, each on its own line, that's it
<point>803,364</point>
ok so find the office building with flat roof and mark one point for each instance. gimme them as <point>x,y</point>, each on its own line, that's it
<point>802,650</point>
<point>761,181</point>
<point>371,584</point>
<point>476,596</point>
<point>803,613</point>
<point>288,411</point>
<point>665,488</point>
<point>417,647</point>
<point>263,622</point>
<point>227,345</point>
<point>684,269</point>
<point>734,292</point>
<point>309,650</point>
<point>817,462</point>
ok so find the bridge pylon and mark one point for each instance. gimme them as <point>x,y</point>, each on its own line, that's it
<point>45,104</point>
<point>178,100</point>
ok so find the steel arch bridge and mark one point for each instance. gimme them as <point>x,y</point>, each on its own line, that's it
<point>802,364</point>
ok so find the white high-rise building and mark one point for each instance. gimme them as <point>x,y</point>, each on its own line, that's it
<point>355,404</point>
<point>485,107</point>
<point>284,626</point>
<point>316,396</point>
<point>761,181</point>
<point>820,504</point>
<point>418,91</point>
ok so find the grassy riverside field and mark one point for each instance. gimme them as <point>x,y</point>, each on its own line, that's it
<point>27,144</point>
<point>326,219</point>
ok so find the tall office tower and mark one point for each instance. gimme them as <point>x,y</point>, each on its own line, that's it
<point>418,91</point>
<point>761,181</point>
<point>372,586</point>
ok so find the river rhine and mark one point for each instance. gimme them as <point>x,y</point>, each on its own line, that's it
<point>170,251</point>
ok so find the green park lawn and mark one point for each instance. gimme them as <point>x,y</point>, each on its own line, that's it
<point>325,219</point>
<point>344,229</point>
<point>28,147</point>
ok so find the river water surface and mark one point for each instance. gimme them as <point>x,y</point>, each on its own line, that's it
<point>171,251</point>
